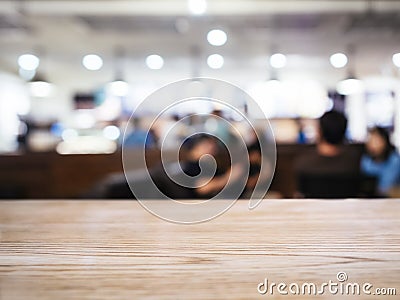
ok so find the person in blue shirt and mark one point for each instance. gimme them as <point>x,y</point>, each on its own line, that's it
<point>381,160</point>
<point>139,137</point>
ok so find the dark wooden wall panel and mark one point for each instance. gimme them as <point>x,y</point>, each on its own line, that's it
<point>50,175</point>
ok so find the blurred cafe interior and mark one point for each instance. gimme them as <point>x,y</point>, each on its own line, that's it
<point>73,74</point>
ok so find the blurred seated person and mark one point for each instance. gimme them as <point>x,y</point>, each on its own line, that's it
<point>381,160</point>
<point>255,159</point>
<point>191,177</point>
<point>197,147</point>
<point>170,130</point>
<point>235,181</point>
<point>185,171</point>
<point>140,136</point>
<point>216,126</point>
<point>226,176</point>
<point>330,170</point>
<point>301,136</point>
<point>257,174</point>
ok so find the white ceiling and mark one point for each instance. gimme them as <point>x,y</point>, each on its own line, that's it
<point>61,32</point>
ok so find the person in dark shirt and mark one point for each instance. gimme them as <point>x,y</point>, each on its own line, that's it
<point>330,164</point>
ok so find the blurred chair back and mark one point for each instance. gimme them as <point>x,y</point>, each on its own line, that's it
<point>12,192</point>
<point>329,185</point>
<point>116,187</point>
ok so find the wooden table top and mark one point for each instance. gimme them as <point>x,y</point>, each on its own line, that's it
<point>117,250</point>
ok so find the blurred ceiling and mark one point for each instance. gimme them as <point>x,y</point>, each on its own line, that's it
<point>179,7</point>
<point>64,30</point>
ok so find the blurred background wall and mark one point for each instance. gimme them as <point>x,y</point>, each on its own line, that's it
<point>74,71</point>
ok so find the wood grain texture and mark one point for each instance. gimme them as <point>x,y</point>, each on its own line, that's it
<point>117,250</point>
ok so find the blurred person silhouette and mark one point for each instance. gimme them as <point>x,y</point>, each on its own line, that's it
<point>216,125</point>
<point>329,170</point>
<point>190,177</point>
<point>170,130</point>
<point>301,136</point>
<point>234,179</point>
<point>139,137</point>
<point>183,171</point>
<point>255,160</point>
<point>194,149</point>
<point>227,176</point>
<point>381,160</point>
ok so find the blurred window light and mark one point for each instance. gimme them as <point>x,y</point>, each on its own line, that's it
<point>111,132</point>
<point>28,62</point>
<point>14,101</point>
<point>119,88</point>
<point>380,109</point>
<point>289,99</point>
<point>92,62</point>
<point>84,119</point>
<point>40,89</point>
<point>380,100</point>
<point>69,134</point>
<point>379,84</point>
<point>217,37</point>
<point>265,94</point>
<point>338,60</point>
<point>110,109</point>
<point>354,107</point>
<point>197,7</point>
<point>87,145</point>
<point>350,86</point>
<point>312,99</point>
<point>278,60</point>
<point>396,59</point>
<point>215,61</point>
<point>154,62</point>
